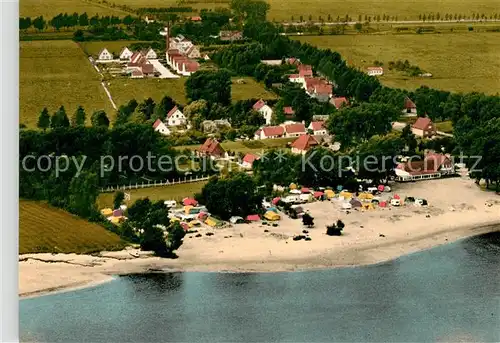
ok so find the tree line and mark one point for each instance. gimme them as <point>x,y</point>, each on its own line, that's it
<point>65,20</point>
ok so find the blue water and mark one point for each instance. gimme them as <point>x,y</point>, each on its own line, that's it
<point>450,293</point>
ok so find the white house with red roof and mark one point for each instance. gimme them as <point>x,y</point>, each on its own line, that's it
<point>318,128</point>
<point>294,129</point>
<point>104,55</point>
<point>126,54</point>
<point>409,108</point>
<point>175,117</point>
<point>339,102</point>
<point>289,112</point>
<point>270,132</point>
<point>266,111</point>
<point>150,54</point>
<point>305,70</point>
<point>160,127</point>
<point>303,144</point>
<point>375,71</point>
<point>248,160</point>
<point>424,127</point>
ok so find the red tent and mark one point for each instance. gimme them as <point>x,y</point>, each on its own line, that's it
<point>383,204</point>
<point>396,196</point>
<point>185,226</point>
<point>202,215</point>
<point>305,190</point>
<point>253,218</point>
<point>189,202</point>
<point>275,200</point>
<point>381,188</point>
<point>318,194</point>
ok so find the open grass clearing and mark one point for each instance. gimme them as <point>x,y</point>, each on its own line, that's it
<point>55,73</point>
<point>172,192</point>
<point>445,126</point>
<point>43,228</point>
<point>462,62</point>
<point>51,8</point>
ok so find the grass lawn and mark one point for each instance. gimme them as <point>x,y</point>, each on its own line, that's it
<point>445,126</point>
<point>43,228</point>
<point>51,8</point>
<point>94,48</point>
<point>462,62</point>
<point>173,192</point>
<point>123,90</point>
<point>254,146</point>
<point>55,73</point>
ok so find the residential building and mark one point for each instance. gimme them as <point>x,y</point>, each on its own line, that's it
<point>148,69</point>
<point>295,129</point>
<point>230,35</point>
<point>248,160</point>
<point>288,112</point>
<point>195,18</point>
<point>432,166</point>
<point>126,54</point>
<point>193,52</point>
<point>296,78</point>
<point>181,63</point>
<point>424,127</point>
<point>175,117</point>
<point>136,74</point>
<point>270,132</point>
<point>105,55</point>
<point>318,128</point>
<point>409,108</point>
<point>292,60</point>
<point>212,148</point>
<point>160,127</point>
<point>272,62</point>
<point>375,71</point>
<point>339,102</point>
<point>266,111</point>
<point>303,144</point>
<point>305,70</point>
<point>150,54</point>
<point>322,92</point>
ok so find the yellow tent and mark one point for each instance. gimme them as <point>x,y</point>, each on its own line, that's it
<point>365,196</point>
<point>107,212</point>
<point>116,220</point>
<point>368,206</point>
<point>345,194</point>
<point>175,219</point>
<point>193,223</point>
<point>270,215</point>
<point>187,209</point>
<point>212,222</point>
<point>329,193</point>
<point>293,186</point>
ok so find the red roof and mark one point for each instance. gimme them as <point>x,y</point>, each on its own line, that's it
<point>137,73</point>
<point>147,68</point>
<point>294,76</point>
<point>189,202</point>
<point>318,194</point>
<point>292,60</point>
<point>196,18</point>
<point>324,89</point>
<point>258,105</point>
<point>312,82</point>
<point>304,142</point>
<point>172,111</point>
<point>437,160</point>
<point>375,68</point>
<point>253,218</point>
<point>318,125</point>
<point>339,102</point>
<point>409,104</point>
<point>250,158</point>
<point>295,128</point>
<point>212,147</point>
<point>273,131</point>
<point>305,190</point>
<point>422,123</point>
<point>191,66</point>
<point>156,123</point>
<point>305,70</point>
<point>288,110</point>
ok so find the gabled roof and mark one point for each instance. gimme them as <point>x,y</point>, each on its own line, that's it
<point>305,70</point>
<point>293,76</point>
<point>191,66</point>
<point>273,131</point>
<point>172,111</point>
<point>212,147</point>
<point>103,50</point>
<point>125,48</point>
<point>323,89</point>
<point>250,158</point>
<point>422,123</point>
<point>137,72</point>
<point>295,128</point>
<point>409,104</point>
<point>259,104</point>
<point>317,125</point>
<point>147,68</point>
<point>339,102</point>
<point>304,142</point>
<point>157,123</point>
<point>375,68</point>
<point>195,18</point>
<point>288,110</point>
<point>437,160</point>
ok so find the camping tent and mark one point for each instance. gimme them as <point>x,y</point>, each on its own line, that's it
<point>236,219</point>
<point>340,188</point>
<point>106,212</point>
<point>202,215</point>
<point>115,220</point>
<point>383,204</point>
<point>185,226</point>
<point>274,209</point>
<point>294,191</point>
<point>213,222</point>
<point>380,188</point>
<point>187,209</point>
<point>346,206</point>
<point>270,215</point>
<point>117,213</point>
<point>276,200</point>
<point>365,196</point>
<point>329,193</point>
<point>345,195</point>
<point>293,186</point>
<point>318,194</point>
<point>253,218</point>
<point>298,209</point>
<point>189,201</point>
<point>396,196</point>
<point>305,190</point>
<point>355,203</point>
<point>368,206</point>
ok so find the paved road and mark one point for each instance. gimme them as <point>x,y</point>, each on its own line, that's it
<point>394,22</point>
<point>165,73</point>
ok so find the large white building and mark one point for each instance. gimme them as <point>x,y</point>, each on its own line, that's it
<point>266,111</point>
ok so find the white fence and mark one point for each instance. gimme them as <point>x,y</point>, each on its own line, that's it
<point>154,184</point>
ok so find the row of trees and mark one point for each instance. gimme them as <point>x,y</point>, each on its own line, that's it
<point>60,119</point>
<point>456,16</point>
<point>65,20</point>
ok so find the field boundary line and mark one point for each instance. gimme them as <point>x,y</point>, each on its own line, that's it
<point>150,184</point>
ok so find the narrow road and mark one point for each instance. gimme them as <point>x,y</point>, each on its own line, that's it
<point>165,73</point>
<point>394,22</point>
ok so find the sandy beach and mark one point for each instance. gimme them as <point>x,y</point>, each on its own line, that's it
<point>457,209</point>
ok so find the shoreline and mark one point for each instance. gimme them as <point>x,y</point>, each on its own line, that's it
<point>457,210</point>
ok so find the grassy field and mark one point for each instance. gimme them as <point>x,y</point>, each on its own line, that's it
<point>43,228</point>
<point>51,8</point>
<point>256,146</point>
<point>123,90</point>
<point>55,73</point>
<point>445,126</point>
<point>173,192</point>
<point>94,48</point>
<point>463,62</point>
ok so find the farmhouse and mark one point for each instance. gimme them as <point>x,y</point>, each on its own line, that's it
<point>305,70</point>
<point>126,54</point>
<point>424,127</point>
<point>230,35</point>
<point>302,144</point>
<point>339,102</point>
<point>288,112</point>
<point>150,54</point>
<point>409,108</point>
<point>295,129</point>
<point>212,148</point>
<point>318,128</point>
<point>175,117</point>
<point>248,160</point>
<point>266,111</point>
<point>160,127</point>
<point>322,92</point>
<point>375,71</point>
<point>270,132</point>
<point>105,55</point>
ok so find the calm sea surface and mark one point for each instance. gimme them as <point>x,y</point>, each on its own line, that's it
<point>450,293</point>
